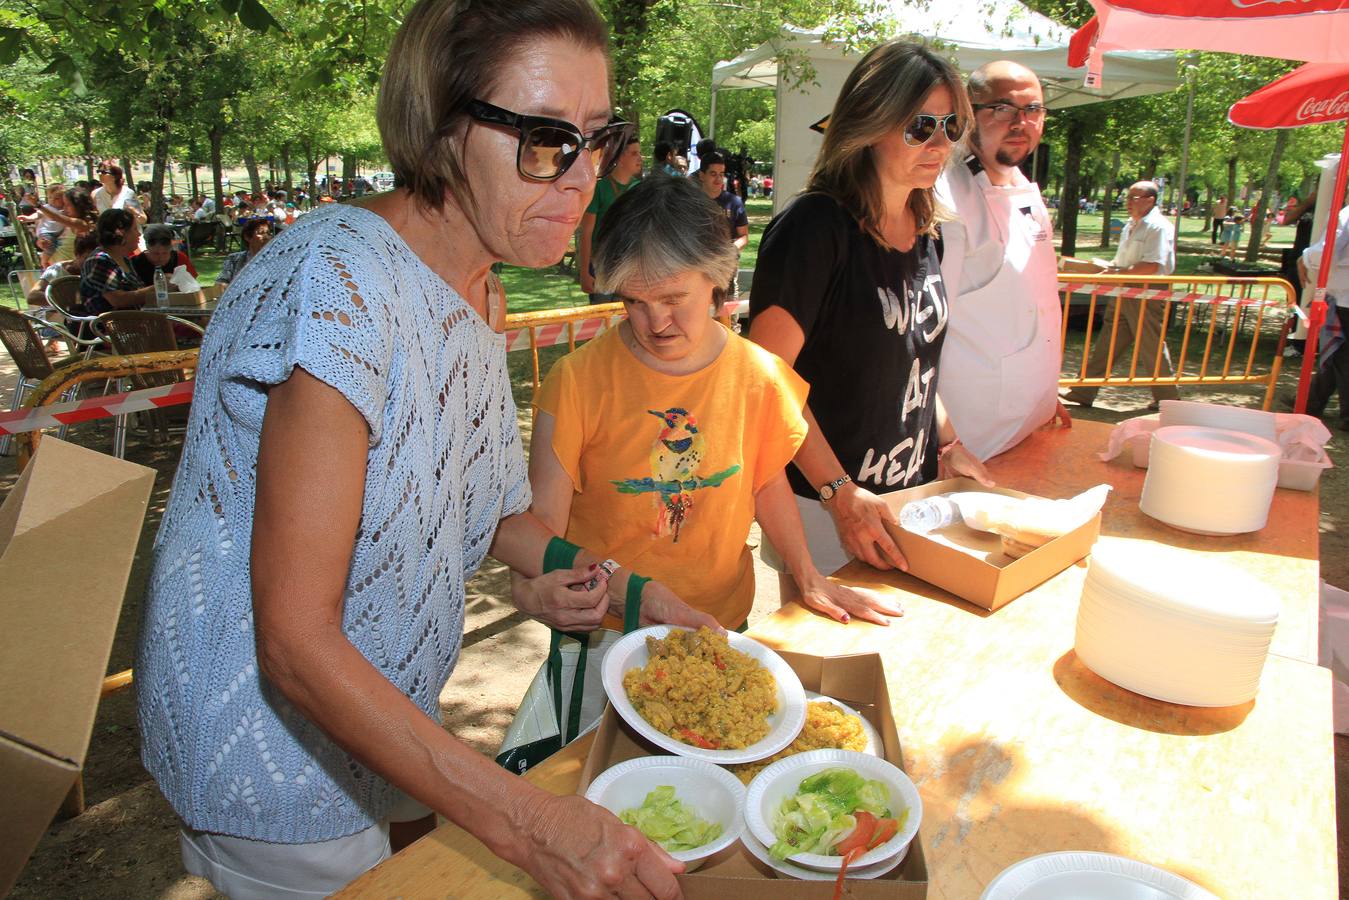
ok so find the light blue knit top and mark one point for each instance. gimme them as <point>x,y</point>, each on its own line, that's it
<point>341,295</point>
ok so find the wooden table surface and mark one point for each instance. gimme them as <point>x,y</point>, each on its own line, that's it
<point>1018,749</point>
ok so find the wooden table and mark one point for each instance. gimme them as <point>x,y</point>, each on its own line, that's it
<point>1018,749</point>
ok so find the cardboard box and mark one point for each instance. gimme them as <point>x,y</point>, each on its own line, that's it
<point>68,534</point>
<point>971,564</point>
<point>856,680</point>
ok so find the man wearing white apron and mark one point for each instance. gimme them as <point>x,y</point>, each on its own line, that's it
<point>999,368</point>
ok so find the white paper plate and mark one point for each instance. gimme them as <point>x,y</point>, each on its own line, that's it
<point>780,780</point>
<point>1100,876</point>
<point>864,873</point>
<point>629,652</point>
<point>874,744</point>
<point>714,794</point>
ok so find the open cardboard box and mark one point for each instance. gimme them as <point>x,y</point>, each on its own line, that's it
<point>68,534</point>
<point>856,680</point>
<point>970,563</point>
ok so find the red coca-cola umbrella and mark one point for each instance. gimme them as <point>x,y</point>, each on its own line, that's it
<point>1314,94</point>
<point>1315,31</point>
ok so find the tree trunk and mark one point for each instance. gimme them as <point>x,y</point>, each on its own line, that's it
<point>1150,170</point>
<point>1072,161</point>
<point>88,149</point>
<point>1110,189</point>
<point>217,138</point>
<point>1271,185</point>
<point>285,163</point>
<point>128,175</point>
<point>349,171</point>
<point>251,164</point>
<point>161,159</point>
<point>628,27</point>
<point>311,170</point>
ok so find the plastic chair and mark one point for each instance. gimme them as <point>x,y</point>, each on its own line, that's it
<point>19,335</point>
<point>133,331</point>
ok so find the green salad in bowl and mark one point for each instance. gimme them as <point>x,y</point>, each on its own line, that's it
<point>668,822</point>
<point>835,812</point>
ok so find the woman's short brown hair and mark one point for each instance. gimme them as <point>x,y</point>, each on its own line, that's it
<point>449,52</point>
<point>882,92</point>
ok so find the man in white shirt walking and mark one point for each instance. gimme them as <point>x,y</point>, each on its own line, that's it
<point>1146,247</point>
<point>1000,365</point>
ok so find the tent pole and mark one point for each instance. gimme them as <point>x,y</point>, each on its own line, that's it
<point>1318,310</point>
<point>1184,154</point>
<point>712,114</point>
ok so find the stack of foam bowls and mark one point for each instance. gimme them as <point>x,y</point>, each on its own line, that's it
<point>1210,480</point>
<point>1218,415</point>
<point>1154,621</point>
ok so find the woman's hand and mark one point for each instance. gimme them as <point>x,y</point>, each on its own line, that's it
<point>860,518</point>
<point>958,460</point>
<point>843,604</point>
<point>577,849</point>
<point>660,606</point>
<point>560,600</point>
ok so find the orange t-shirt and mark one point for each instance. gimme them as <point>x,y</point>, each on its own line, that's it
<point>665,467</point>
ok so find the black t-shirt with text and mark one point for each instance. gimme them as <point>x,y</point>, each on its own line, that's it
<point>874,319</point>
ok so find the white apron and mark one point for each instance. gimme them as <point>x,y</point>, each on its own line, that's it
<point>999,367</point>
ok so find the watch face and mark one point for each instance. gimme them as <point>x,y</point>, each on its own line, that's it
<point>827,492</point>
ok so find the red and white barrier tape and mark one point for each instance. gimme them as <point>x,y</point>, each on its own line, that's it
<point>75,411</point>
<point>1159,294</point>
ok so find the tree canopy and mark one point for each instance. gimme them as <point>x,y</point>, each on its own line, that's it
<point>287,83</point>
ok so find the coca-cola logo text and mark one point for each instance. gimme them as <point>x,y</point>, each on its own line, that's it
<point>1336,107</point>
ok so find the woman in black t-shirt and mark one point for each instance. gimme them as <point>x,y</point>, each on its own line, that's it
<point>848,290</point>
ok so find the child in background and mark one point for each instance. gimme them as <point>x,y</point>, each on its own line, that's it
<point>1232,228</point>
<point>50,220</point>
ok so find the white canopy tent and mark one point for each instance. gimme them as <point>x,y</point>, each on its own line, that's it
<point>971,32</point>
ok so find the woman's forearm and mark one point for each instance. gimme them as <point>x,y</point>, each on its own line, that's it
<point>333,685</point>
<point>775,509</point>
<point>815,458</point>
<point>128,299</point>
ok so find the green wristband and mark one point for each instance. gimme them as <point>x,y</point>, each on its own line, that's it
<point>559,554</point>
<point>632,603</point>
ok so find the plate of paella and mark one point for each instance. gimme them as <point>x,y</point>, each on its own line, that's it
<point>723,698</point>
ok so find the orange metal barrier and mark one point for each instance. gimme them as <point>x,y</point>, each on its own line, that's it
<point>1226,317</point>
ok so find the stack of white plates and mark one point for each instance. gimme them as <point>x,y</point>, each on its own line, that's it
<point>1210,480</point>
<point>1219,415</point>
<point>1155,622</point>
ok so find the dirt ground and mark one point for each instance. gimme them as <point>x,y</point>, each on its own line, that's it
<point>125,844</point>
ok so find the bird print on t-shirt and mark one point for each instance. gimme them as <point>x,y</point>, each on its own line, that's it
<point>676,454</point>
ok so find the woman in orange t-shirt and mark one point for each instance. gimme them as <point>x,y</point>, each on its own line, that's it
<point>662,440</point>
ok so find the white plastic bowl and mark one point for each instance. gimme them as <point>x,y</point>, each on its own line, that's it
<point>710,791</point>
<point>629,652</point>
<point>781,780</point>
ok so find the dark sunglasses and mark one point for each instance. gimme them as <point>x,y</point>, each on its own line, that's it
<point>548,147</point>
<point>922,128</point>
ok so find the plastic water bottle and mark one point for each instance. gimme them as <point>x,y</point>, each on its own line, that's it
<point>161,288</point>
<point>929,514</point>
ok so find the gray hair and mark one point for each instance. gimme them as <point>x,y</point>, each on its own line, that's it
<point>1148,187</point>
<point>660,228</point>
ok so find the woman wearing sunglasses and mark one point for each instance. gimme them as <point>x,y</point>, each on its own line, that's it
<point>848,291</point>
<point>352,457</point>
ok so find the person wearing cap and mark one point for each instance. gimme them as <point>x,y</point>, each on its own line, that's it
<point>1000,363</point>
